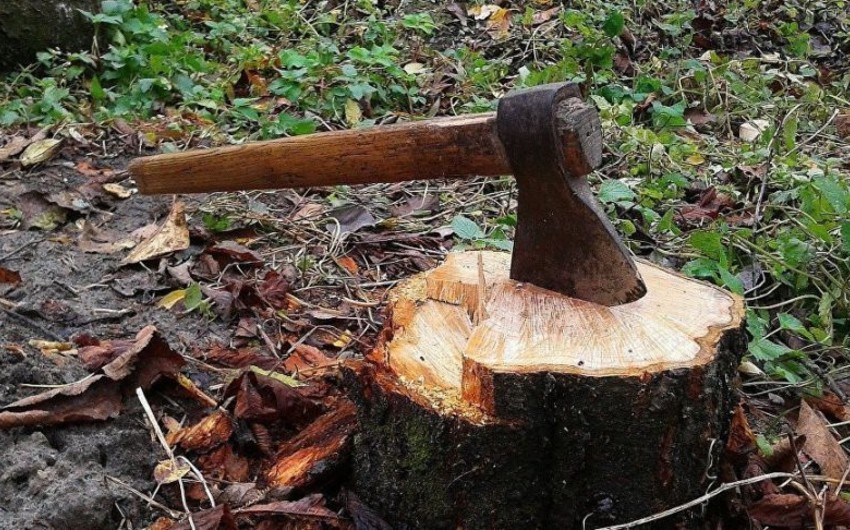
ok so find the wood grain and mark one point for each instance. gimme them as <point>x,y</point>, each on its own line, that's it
<point>456,147</point>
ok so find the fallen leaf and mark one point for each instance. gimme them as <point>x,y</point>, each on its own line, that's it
<point>311,507</point>
<point>820,444</point>
<point>695,159</point>
<point>218,518</point>
<point>118,190</point>
<point>14,146</point>
<point>172,236</point>
<point>353,113</point>
<point>499,24</point>
<point>91,399</point>
<point>546,15</point>
<point>9,276</point>
<point>418,204</point>
<point>228,252</point>
<point>40,151</point>
<point>95,240</point>
<point>224,464</point>
<point>241,358</point>
<point>790,510</point>
<point>37,212</point>
<point>170,300</point>
<point>168,471</point>
<point>343,340</point>
<point>98,174</point>
<point>742,441</point>
<point>262,398</point>
<point>414,68</point>
<point>348,264</point>
<point>349,219</point>
<point>842,125</point>
<point>308,211</point>
<point>272,289</point>
<point>751,130</point>
<point>240,494</point>
<point>830,404</point>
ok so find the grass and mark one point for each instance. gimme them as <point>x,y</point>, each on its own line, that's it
<point>765,217</point>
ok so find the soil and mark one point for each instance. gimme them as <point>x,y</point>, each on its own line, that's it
<point>58,477</point>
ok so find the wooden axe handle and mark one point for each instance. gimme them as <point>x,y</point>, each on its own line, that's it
<point>439,148</point>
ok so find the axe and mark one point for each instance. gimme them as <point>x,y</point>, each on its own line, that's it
<point>546,136</point>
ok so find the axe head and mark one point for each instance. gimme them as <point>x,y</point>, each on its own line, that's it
<point>564,241</point>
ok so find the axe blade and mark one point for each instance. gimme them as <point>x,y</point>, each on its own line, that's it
<point>564,241</point>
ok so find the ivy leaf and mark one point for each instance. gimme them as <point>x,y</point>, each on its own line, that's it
<point>612,191</point>
<point>710,244</point>
<point>466,228</point>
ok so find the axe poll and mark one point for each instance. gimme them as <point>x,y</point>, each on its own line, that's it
<point>546,136</point>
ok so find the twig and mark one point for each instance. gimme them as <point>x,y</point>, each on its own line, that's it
<point>150,500</point>
<point>699,500</point>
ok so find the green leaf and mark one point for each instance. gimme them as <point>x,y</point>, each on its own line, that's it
<point>834,192</point>
<point>763,445</point>
<point>466,228</point>
<point>845,236</point>
<point>731,281</point>
<point>709,244</point>
<point>612,191</point>
<point>193,297</point>
<point>767,350</point>
<point>96,90</point>
<point>614,24</point>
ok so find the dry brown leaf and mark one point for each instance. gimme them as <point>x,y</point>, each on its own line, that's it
<point>265,399</point>
<point>14,146</point>
<point>91,399</point>
<point>224,464</point>
<point>95,240</point>
<point>218,518</point>
<point>499,24</point>
<point>311,507</point>
<point>830,404</point>
<point>98,397</point>
<point>821,445</point>
<point>168,471</point>
<point>172,236</point>
<point>9,276</point>
<point>790,510</point>
<point>545,16</point>
<point>741,441</point>
<point>842,124</point>
<point>118,190</point>
<point>40,151</point>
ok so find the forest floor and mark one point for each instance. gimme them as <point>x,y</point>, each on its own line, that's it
<point>726,133</point>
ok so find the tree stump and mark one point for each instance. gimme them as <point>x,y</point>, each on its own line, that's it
<point>496,404</point>
<point>31,26</point>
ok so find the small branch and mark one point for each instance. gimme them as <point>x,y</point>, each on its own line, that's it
<point>699,500</point>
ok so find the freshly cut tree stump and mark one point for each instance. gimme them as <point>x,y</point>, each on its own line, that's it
<point>496,404</point>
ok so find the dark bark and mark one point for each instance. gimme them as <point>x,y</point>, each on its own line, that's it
<point>30,26</point>
<point>565,447</point>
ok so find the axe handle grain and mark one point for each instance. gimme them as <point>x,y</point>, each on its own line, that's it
<point>430,149</point>
<point>461,146</point>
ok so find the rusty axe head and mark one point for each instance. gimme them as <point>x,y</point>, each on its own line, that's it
<point>564,241</point>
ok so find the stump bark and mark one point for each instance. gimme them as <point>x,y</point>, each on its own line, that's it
<point>31,26</point>
<point>496,404</point>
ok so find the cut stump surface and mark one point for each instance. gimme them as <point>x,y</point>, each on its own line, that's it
<point>494,404</point>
